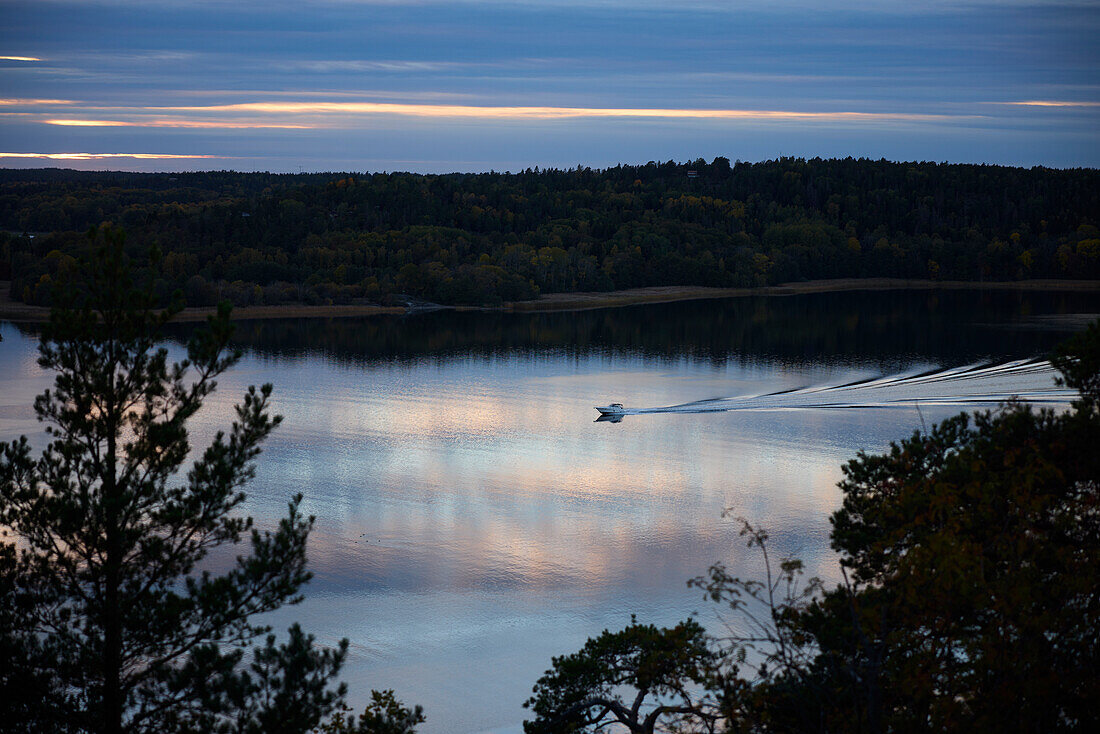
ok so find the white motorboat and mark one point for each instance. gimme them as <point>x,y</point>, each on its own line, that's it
<point>613,409</point>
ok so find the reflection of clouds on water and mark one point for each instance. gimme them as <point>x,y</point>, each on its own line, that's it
<point>464,511</point>
<point>481,488</point>
<point>573,507</point>
<point>20,380</point>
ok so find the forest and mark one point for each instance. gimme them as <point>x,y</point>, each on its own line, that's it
<point>490,238</point>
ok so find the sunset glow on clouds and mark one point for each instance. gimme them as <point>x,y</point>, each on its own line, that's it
<point>547,113</point>
<point>16,102</point>
<point>101,156</point>
<point>317,115</point>
<point>484,84</point>
<point>183,124</point>
<point>327,114</point>
<point>1056,104</point>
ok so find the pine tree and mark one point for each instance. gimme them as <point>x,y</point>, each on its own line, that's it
<point>108,620</point>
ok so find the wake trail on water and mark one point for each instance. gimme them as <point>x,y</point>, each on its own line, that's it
<point>1028,380</point>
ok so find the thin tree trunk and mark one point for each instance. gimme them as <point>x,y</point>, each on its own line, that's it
<point>112,620</point>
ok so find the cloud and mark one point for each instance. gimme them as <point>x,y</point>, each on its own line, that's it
<point>335,65</point>
<point>1041,103</point>
<point>23,102</point>
<point>549,113</point>
<point>429,95</point>
<point>100,156</point>
<point>309,114</point>
<point>512,82</point>
<point>197,124</point>
<point>724,6</point>
<point>19,58</point>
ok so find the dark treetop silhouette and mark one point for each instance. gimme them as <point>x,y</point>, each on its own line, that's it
<point>969,554</point>
<point>108,620</point>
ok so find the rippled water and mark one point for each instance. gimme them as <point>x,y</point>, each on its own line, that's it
<point>473,519</point>
<point>1027,380</point>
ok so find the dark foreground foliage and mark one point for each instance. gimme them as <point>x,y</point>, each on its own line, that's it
<point>664,670</point>
<point>383,715</point>
<point>485,238</point>
<point>108,620</point>
<point>970,555</point>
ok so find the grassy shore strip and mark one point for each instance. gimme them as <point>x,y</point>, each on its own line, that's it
<point>11,310</point>
<point>15,311</point>
<point>665,294</point>
<point>291,311</point>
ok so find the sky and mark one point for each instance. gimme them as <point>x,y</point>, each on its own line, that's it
<point>477,85</point>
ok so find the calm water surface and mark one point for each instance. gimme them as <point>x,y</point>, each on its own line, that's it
<point>473,519</point>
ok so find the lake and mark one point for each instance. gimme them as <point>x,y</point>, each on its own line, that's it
<point>473,519</point>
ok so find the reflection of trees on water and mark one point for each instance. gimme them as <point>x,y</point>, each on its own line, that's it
<point>945,327</point>
<point>886,326</point>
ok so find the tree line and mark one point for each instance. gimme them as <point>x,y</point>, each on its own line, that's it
<point>483,239</point>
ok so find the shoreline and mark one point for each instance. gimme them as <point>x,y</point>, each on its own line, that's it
<point>669,294</point>
<point>20,312</point>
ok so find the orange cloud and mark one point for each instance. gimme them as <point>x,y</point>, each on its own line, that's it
<point>12,102</point>
<point>19,58</point>
<point>212,124</point>
<point>1044,103</point>
<point>98,156</point>
<point>523,112</point>
<point>307,114</point>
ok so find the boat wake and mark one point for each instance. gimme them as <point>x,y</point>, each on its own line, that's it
<point>984,384</point>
